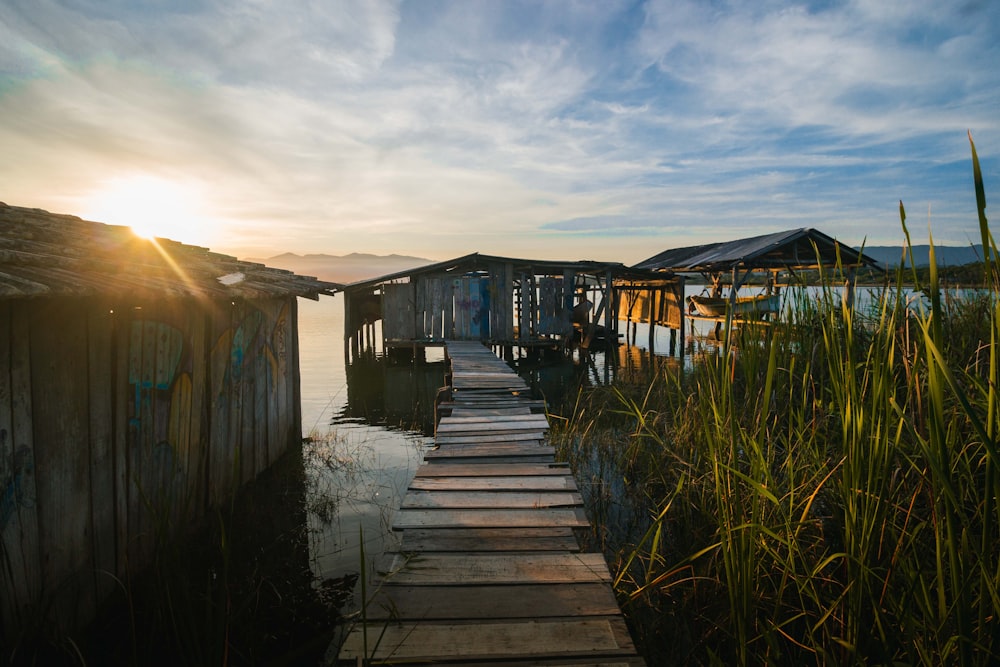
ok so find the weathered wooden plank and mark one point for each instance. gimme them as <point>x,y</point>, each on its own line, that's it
<point>499,433</point>
<point>487,407</point>
<point>520,420</point>
<point>415,603</point>
<point>258,421</point>
<point>466,371</point>
<point>506,458</point>
<point>484,412</point>
<point>526,439</point>
<point>524,308</point>
<point>462,306</point>
<point>420,304</point>
<point>101,380</point>
<point>490,499</point>
<point>485,451</point>
<point>526,453</point>
<point>524,483</point>
<point>460,443</point>
<point>485,641</point>
<point>526,427</point>
<point>491,470</point>
<point>122,480</point>
<point>486,440</point>
<point>448,316</point>
<point>486,518</point>
<point>398,311</point>
<point>11,566</point>
<point>221,454</point>
<point>477,380</point>
<point>437,296</point>
<point>489,539</point>
<point>18,521</point>
<point>197,452</point>
<point>498,568</point>
<point>475,403</point>
<point>59,384</point>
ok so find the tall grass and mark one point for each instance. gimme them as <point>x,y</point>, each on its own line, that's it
<point>822,493</point>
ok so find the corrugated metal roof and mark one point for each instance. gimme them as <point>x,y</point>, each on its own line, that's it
<point>793,249</point>
<point>48,254</point>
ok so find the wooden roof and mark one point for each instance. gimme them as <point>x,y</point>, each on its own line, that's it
<point>47,254</point>
<point>481,262</point>
<point>793,249</point>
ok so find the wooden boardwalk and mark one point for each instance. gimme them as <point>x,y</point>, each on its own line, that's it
<point>489,569</point>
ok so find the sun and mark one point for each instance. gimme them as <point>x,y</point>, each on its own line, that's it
<point>151,206</point>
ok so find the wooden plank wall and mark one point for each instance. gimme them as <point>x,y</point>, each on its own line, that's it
<point>504,307</point>
<point>663,304</point>
<point>398,311</point>
<point>120,426</point>
<point>553,316</point>
<point>450,308</point>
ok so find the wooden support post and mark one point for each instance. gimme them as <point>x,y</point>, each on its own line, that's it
<point>653,294</point>
<point>609,298</point>
<point>682,320</point>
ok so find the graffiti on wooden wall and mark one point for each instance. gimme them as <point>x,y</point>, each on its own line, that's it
<point>248,361</point>
<point>14,495</point>
<point>159,377</point>
<point>252,342</point>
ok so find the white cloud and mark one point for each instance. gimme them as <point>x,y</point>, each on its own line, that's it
<point>387,126</point>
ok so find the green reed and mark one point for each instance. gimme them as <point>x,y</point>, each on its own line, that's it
<point>822,491</point>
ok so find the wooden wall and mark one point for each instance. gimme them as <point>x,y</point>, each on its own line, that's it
<point>659,303</point>
<point>476,307</point>
<point>120,425</point>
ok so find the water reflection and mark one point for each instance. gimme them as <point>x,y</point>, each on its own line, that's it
<point>392,394</point>
<point>368,422</point>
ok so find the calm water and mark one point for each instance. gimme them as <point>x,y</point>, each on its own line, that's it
<point>363,452</point>
<point>369,421</point>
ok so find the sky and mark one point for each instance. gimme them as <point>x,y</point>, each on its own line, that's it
<point>552,130</point>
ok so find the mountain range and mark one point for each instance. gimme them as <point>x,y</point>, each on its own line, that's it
<point>363,266</point>
<point>343,268</point>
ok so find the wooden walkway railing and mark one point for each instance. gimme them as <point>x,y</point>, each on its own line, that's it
<point>489,568</point>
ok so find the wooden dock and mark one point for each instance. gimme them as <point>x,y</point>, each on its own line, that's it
<point>490,570</point>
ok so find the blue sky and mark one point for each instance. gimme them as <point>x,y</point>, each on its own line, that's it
<point>560,130</point>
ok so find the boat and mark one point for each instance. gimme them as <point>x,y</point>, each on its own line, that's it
<point>752,306</point>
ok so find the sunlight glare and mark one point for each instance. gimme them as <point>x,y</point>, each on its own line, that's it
<point>151,206</point>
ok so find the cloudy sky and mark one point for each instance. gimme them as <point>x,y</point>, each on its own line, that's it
<point>561,130</point>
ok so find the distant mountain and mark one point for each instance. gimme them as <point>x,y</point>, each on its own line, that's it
<point>343,268</point>
<point>890,256</point>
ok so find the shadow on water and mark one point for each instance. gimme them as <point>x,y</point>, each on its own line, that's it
<point>267,579</point>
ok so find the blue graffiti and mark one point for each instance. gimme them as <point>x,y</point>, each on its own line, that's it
<point>155,353</point>
<point>13,495</point>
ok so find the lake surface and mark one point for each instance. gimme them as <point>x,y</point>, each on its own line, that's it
<point>370,421</point>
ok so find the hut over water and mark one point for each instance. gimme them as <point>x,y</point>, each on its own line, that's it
<point>141,383</point>
<point>506,302</point>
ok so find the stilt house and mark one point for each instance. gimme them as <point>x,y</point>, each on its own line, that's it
<point>780,257</point>
<point>503,301</point>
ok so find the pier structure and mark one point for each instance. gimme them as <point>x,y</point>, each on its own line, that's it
<point>521,305</point>
<point>490,569</point>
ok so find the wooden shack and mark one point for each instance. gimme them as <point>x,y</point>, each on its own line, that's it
<point>503,301</point>
<point>654,298</point>
<point>141,383</point>
<point>776,259</point>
